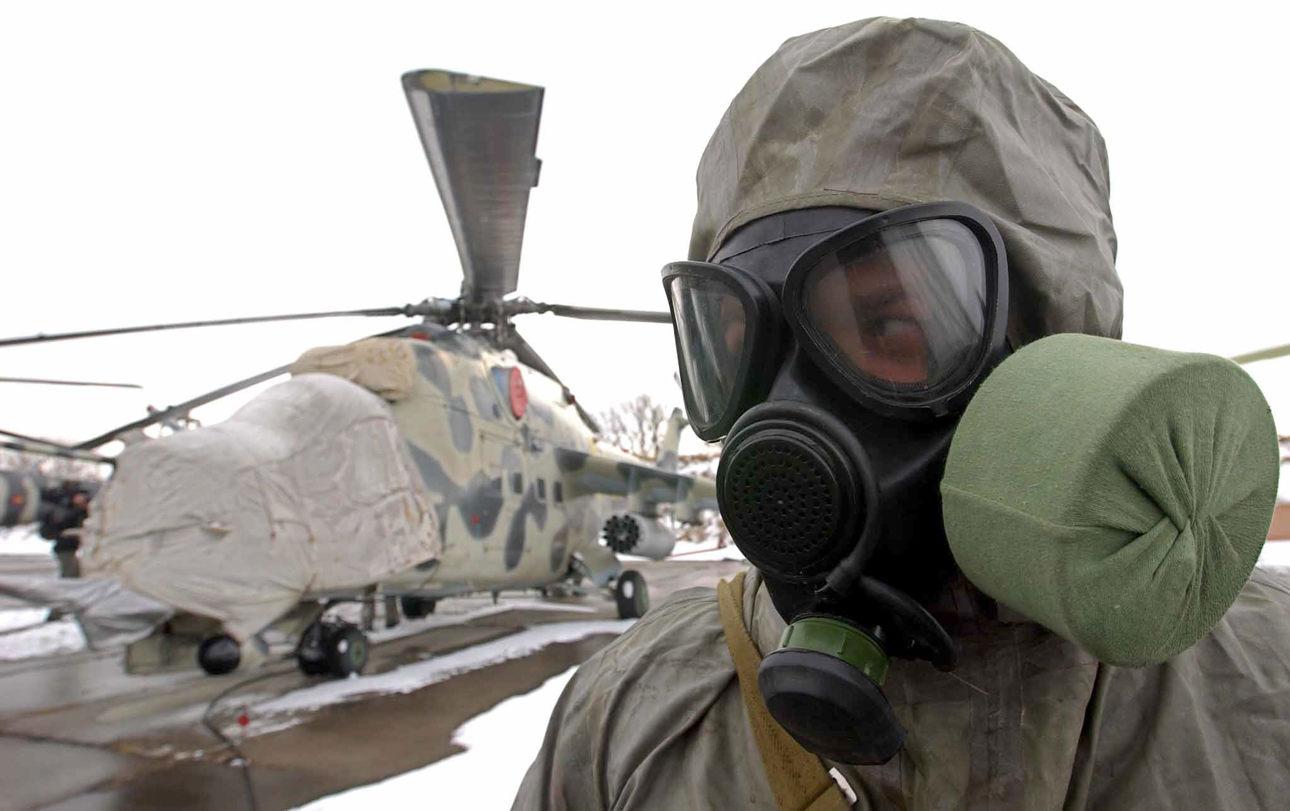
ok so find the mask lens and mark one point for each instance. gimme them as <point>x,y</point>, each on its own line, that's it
<point>711,326</point>
<point>904,309</point>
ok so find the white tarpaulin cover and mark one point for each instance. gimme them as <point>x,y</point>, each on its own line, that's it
<point>386,366</point>
<point>109,613</point>
<point>308,487</point>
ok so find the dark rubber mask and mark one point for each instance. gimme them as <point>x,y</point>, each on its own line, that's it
<point>833,350</point>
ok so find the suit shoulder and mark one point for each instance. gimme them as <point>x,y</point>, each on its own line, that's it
<point>682,633</point>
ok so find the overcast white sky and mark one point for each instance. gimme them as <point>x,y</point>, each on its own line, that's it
<point>166,161</point>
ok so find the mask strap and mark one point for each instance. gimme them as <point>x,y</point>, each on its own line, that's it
<point>797,778</point>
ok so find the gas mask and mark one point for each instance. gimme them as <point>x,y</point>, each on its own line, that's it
<point>834,350</point>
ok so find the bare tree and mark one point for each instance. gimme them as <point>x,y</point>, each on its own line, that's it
<point>636,426</point>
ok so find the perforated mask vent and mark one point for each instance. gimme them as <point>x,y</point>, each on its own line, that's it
<point>784,503</point>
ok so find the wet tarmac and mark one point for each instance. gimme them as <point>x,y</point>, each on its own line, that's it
<point>28,564</point>
<point>77,733</point>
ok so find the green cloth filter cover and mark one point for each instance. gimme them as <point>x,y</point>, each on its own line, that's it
<point>1117,494</point>
<point>838,639</point>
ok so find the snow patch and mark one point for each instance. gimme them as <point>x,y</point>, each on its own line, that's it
<point>22,618</point>
<point>706,550</point>
<point>500,744</point>
<point>408,678</point>
<point>690,550</point>
<point>23,540</point>
<point>236,731</point>
<point>1275,555</point>
<point>409,627</point>
<point>47,639</point>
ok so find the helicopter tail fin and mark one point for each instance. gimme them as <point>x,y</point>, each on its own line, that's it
<point>671,440</point>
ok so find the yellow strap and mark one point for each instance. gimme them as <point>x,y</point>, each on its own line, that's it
<point>797,778</point>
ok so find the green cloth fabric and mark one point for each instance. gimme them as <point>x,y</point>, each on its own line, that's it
<point>1027,720</point>
<point>883,112</point>
<point>1117,494</point>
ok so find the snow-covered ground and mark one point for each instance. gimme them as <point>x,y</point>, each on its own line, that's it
<point>23,540</point>
<point>24,634</point>
<point>266,714</point>
<point>415,676</point>
<point>500,744</point>
<point>37,637</point>
<point>13,619</point>
<point>1275,555</point>
<point>459,610</point>
<point>701,550</point>
<point>705,550</point>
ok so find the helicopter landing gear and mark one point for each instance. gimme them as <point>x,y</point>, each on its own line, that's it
<point>218,655</point>
<point>332,646</point>
<point>416,607</point>
<point>631,594</point>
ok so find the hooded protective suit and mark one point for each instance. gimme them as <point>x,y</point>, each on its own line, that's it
<point>874,115</point>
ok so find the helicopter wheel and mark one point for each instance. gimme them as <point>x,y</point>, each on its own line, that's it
<point>347,650</point>
<point>218,655</point>
<point>631,594</point>
<point>311,653</point>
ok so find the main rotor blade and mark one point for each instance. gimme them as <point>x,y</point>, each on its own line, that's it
<point>181,409</point>
<point>28,438</point>
<point>480,136</point>
<point>524,306</point>
<point>601,314</point>
<point>67,383</point>
<point>1263,354</point>
<point>407,310</point>
<point>209,397</point>
<point>527,355</point>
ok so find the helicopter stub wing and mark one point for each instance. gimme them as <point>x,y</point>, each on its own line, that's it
<point>587,473</point>
<point>480,136</point>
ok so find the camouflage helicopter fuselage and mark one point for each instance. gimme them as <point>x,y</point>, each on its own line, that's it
<point>477,472</point>
<point>519,484</point>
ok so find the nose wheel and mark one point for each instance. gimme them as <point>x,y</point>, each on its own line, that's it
<point>218,655</point>
<point>332,647</point>
<point>631,594</point>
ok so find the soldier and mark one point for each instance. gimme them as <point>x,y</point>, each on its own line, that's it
<point>63,513</point>
<point>887,210</point>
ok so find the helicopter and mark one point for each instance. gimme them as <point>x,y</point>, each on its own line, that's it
<point>442,458</point>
